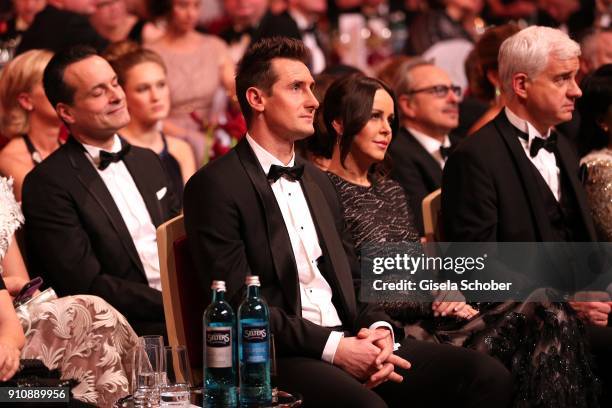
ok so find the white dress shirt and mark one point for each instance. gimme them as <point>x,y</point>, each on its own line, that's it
<point>432,145</point>
<point>310,41</point>
<point>315,292</point>
<point>131,205</point>
<point>544,161</point>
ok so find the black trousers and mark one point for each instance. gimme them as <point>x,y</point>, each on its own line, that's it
<point>440,376</point>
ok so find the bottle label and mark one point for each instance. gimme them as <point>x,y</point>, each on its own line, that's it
<point>255,344</point>
<point>218,347</point>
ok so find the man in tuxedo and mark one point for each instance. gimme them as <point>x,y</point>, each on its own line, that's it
<point>516,179</point>
<point>261,210</point>
<point>93,206</point>
<point>299,21</point>
<point>429,110</point>
<point>62,24</point>
<point>243,18</point>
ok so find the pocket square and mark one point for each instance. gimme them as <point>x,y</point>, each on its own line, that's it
<point>161,193</point>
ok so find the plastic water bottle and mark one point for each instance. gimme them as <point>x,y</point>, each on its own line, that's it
<point>219,351</point>
<point>254,347</point>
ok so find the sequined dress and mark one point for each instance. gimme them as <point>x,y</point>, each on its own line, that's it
<point>82,336</point>
<point>598,186</point>
<point>540,342</point>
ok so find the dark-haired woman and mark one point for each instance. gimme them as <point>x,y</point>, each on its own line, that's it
<point>374,206</point>
<point>540,342</point>
<point>595,108</point>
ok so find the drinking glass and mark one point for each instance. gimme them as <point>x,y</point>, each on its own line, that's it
<point>175,390</point>
<point>147,361</point>
<point>150,343</point>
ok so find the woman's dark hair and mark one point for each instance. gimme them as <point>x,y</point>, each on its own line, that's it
<point>321,144</point>
<point>593,106</point>
<point>159,8</point>
<point>349,101</point>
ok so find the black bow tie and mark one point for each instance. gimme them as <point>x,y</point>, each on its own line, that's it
<point>233,35</point>
<point>106,158</point>
<point>549,144</point>
<point>445,151</point>
<point>292,173</point>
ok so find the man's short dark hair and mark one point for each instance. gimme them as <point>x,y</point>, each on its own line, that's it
<point>56,88</point>
<point>255,67</point>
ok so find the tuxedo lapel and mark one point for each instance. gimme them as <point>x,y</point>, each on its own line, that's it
<point>94,185</point>
<point>509,135</point>
<point>330,240</point>
<point>430,164</point>
<point>138,171</point>
<point>276,231</point>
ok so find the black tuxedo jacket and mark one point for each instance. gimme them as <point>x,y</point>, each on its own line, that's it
<point>235,228</point>
<point>56,29</point>
<point>283,25</point>
<point>277,25</point>
<point>416,170</point>
<point>489,192</point>
<point>76,238</point>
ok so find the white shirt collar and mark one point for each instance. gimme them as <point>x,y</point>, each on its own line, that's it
<point>94,151</point>
<point>432,145</point>
<point>524,126</point>
<point>265,158</point>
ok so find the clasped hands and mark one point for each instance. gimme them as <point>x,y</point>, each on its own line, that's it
<point>369,357</point>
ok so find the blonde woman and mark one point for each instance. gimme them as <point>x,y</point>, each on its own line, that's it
<point>26,117</point>
<point>142,75</point>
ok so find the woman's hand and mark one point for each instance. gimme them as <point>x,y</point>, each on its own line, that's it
<point>9,360</point>
<point>457,309</point>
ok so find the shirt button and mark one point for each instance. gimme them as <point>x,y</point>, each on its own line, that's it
<point>289,194</point>
<point>302,228</point>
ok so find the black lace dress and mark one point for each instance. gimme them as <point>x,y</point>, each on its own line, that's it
<point>542,343</point>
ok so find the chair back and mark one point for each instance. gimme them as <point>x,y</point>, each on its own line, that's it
<point>432,212</point>
<point>182,294</point>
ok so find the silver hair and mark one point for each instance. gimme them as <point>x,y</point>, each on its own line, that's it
<point>402,81</point>
<point>528,52</point>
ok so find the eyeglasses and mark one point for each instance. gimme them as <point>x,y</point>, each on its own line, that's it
<point>439,91</point>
